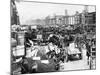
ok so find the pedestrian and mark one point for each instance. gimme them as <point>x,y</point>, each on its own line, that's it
<point>88,47</point>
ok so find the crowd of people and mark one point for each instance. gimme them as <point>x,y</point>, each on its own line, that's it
<point>51,45</point>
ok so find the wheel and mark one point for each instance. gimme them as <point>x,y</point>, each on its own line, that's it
<point>66,59</point>
<point>57,67</point>
<point>80,56</point>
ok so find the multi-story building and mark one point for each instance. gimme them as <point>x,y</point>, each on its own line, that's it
<point>63,19</point>
<point>71,20</point>
<point>77,18</point>
<point>85,18</point>
<point>14,14</point>
<point>90,22</point>
<point>59,19</point>
<point>90,18</point>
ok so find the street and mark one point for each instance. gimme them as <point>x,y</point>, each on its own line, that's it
<point>75,64</point>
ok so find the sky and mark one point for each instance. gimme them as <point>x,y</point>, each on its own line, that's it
<point>32,10</point>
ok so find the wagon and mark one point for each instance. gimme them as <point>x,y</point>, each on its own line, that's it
<point>73,52</point>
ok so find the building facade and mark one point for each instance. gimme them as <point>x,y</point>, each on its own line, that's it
<point>14,14</point>
<point>64,19</point>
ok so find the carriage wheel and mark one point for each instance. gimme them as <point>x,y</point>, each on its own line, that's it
<point>80,56</point>
<point>66,59</point>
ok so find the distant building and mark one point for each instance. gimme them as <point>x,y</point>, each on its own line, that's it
<point>77,18</point>
<point>90,22</point>
<point>64,19</point>
<point>90,18</point>
<point>59,20</point>
<point>84,18</point>
<point>71,20</point>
